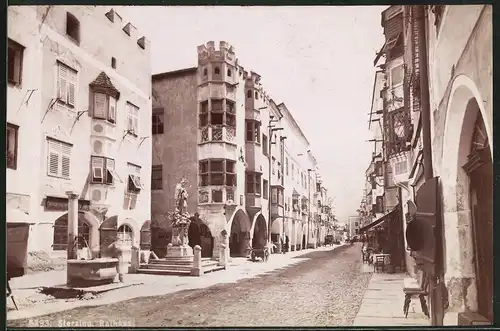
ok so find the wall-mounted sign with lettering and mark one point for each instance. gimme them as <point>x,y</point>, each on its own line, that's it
<point>61,204</point>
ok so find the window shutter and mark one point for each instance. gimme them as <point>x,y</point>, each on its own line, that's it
<point>135,124</point>
<point>112,109</point>
<point>71,93</point>
<point>100,105</point>
<point>54,152</point>
<point>65,160</point>
<point>62,82</point>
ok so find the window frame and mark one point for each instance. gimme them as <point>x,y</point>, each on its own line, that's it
<point>401,67</point>
<point>132,113</point>
<point>71,19</point>
<point>252,127</point>
<point>226,174</point>
<point>265,145</point>
<point>18,51</point>
<point>265,189</point>
<point>121,234</point>
<point>107,114</point>
<point>255,183</point>
<point>108,170</point>
<point>277,196</point>
<point>52,144</point>
<point>155,169</point>
<point>70,80</point>
<point>134,184</point>
<point>158,121</point>
<point>15,129</point>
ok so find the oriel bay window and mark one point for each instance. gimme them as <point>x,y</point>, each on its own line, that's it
<point>104,96</point>
<point>103,170</point>
<point>217,120</point>
<point>217,172</point>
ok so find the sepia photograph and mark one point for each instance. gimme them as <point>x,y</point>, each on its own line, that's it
<point>249,166</point>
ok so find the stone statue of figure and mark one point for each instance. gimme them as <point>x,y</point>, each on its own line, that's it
<point>180,217</point>
<point>181,197</point>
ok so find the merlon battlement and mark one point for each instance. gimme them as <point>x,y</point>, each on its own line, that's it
<point>128,28</point>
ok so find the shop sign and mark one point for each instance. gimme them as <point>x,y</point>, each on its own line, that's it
<point>61,204</point>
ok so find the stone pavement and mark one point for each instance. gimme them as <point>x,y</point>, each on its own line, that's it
<point>24,288</point>
<point>383,301</point>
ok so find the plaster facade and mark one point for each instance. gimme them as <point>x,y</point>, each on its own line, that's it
<point>62,60</point>
<point>460,67</point>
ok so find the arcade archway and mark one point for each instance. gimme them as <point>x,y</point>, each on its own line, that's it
<point>239,238</point>
<point>199,234</point>
<point>259,232</point>
<point>87,232</point>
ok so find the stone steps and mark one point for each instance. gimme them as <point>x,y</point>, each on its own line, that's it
<point>176,266</point>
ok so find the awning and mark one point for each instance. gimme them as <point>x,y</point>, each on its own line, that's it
<point>379,221</point>
<point>17,216</point>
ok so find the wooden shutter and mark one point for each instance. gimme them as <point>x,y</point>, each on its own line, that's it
<point>100,105</point>
<point>112,109</point>
<point>135,112</point>
<point>54,155</point>
<point>65,160</point>
<point>110,167</point>
<point>72,89</point>
<point>62,82</point>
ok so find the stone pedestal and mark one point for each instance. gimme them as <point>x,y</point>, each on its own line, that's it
<point>135,260</point>
<point>179,251</point>
<point>179,246</point>
<point>196,270</point>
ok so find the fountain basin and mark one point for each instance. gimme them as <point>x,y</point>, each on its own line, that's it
<point>94,272</point>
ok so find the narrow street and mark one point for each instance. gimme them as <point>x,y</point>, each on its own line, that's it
<point>325,290</point>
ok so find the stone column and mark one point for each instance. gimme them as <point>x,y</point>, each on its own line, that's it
<point>196,270</point>
<point>72,248</point>
<point>135,260</point>
<point>222,255</point>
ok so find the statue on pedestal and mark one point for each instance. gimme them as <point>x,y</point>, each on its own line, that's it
<point>180,220</point>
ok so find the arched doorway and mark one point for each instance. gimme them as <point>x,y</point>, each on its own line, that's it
<point>199,234</point>
<point>479,168</point>
<point>259,239</point>
<point>124,235</point>
<point>60,237</point>
<point>240,234</point>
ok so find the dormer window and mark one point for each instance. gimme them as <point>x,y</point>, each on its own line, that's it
<point>73,28</point>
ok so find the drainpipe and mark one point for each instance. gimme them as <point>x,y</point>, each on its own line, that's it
<point>435,281</point>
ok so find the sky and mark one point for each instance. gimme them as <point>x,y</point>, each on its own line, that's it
<point>317,60</point>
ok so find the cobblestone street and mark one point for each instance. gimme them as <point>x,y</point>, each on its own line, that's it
<point>325,290</point>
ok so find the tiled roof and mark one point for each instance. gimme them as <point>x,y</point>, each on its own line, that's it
<point>103,81</point>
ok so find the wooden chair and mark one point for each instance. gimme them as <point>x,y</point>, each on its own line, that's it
<point>379,263</point>
<point>412,288</point>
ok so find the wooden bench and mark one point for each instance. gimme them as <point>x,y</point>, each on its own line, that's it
<point>411,288</point>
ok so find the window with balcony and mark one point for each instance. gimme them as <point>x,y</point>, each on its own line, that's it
<point>103,170</point>
<point>265,149</point>
<point>15,53</point>
<point>59,158</point>
<point>217,172</point>
<point>11,148</point>
<point>253,183</point>
<point>157,177</point>
<point>252,131</point>
<point>132,119</point>
<point>66,84</point>
<point>265,189</point>
<point>157,121</point>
